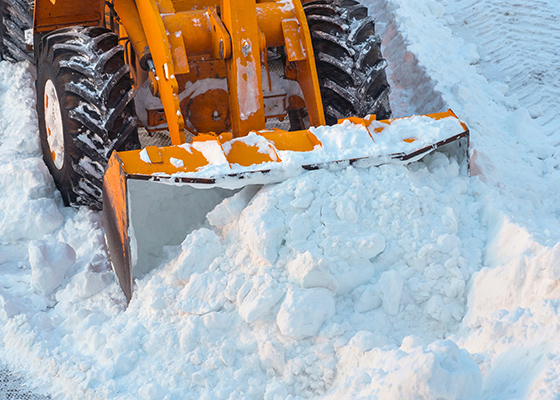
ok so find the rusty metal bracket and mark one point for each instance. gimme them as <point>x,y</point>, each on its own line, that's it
<point>221,41</point>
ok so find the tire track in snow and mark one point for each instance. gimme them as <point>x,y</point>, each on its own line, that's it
<point>527,60</point>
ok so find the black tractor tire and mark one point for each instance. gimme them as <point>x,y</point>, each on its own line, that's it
<point>93,89</point>
<point>15,19</point>
<point>350,65</point>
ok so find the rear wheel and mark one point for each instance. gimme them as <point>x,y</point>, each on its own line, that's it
<point>86,110</point>
<point>15,19</point>
<point>350,66</point>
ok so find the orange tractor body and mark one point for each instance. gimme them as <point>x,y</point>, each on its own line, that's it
<point>218,76</point>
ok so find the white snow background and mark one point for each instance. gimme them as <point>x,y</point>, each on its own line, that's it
<point>396,282</point>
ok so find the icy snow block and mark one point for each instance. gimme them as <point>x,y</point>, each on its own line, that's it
<point>303,312</point>
<point>49,264</point>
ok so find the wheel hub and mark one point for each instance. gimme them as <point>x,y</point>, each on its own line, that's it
<point>53,125</point>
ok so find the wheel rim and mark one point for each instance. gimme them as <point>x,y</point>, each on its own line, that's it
<point>53,125</point>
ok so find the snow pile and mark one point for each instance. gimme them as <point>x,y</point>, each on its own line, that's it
<point>317,286</point>
<point>344,288</point>
<point>511,326</point>
<point>514,314</point>
<point>520,273</point>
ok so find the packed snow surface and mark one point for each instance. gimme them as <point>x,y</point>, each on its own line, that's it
<point>391,282</point>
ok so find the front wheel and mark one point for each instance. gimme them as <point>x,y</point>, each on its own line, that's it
<point>86,109</point>
<point>349,63</point>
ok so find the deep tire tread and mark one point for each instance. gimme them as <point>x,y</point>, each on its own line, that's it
<point>350,66</point>
<point>98,101</point>
<point>15,18</point>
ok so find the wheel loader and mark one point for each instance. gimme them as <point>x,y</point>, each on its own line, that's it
<point>155,111</point>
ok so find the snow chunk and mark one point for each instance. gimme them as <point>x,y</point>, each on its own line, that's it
<point>391,287</point>
<point>252,140</point>
<point>93,280</point>
<point>230,209</point>
<point>535,111</point>
<point>303,312</point>
<point>49,264</point>
<point>344,141</point>
<point>262,227</point>
<point>363,341</point>
<point>259,300</point>
<point>370,299</point>
<point>272,356</point>
<point>145,157</point>
<point>151,391</point>
<point>193,258</point>
<point>203,294</point>
<point>309,273</point>
<point>176,162</point>
<point>213,152</point>
<point>438,371</point>
<point>276,391</point>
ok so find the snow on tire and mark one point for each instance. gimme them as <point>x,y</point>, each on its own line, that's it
<point>350,66</point>
<point>15,19</point>
<point>86,109</point>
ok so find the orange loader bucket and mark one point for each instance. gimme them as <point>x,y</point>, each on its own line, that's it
<point>156,196</point>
